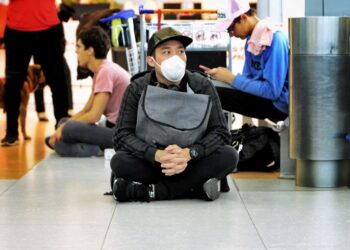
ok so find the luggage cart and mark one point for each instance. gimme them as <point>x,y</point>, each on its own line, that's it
<point>197,29</point>
<point>125,54</point>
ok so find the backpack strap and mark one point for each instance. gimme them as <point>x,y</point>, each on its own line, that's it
<point>189,90</point>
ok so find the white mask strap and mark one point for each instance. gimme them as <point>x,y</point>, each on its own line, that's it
<point>154,60</point>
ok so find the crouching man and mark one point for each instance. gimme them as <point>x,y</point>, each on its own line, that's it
<point>146,169</point>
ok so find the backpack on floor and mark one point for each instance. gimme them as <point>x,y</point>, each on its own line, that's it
<point>259,148</point>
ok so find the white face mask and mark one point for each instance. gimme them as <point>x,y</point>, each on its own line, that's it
<point>172,68</point>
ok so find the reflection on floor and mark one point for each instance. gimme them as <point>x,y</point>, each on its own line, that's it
<point>256,175</point>
<point>16,161</point>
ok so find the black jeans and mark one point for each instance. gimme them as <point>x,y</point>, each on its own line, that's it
<point>236,101</point>
<point>39,93</point>
<point>47,47</point>
<point>216,165</point>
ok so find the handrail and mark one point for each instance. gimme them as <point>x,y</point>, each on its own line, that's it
<point>172,11</point>
<point>189,11</point>
<point>159,12</point>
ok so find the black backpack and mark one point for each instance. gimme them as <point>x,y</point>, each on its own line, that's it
<point>259,148</point>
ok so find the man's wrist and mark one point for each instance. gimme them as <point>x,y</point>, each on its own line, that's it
<point>187,154</point>
<point>159,153</point>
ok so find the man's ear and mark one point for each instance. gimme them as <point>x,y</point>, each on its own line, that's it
<point>91,51</point>
<point>150,61</point>
<point>244,17</point>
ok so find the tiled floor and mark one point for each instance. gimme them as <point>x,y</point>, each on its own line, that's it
<point>60,204</point>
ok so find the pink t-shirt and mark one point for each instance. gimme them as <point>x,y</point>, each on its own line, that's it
<point>113,79</point>
<point>32,15</point>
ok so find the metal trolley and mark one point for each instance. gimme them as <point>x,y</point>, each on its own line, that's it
<point>205,39</point>
<point>125,51</point>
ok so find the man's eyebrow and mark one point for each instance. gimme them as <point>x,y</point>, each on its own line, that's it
<point>165,47</point>
<point>169,47</point>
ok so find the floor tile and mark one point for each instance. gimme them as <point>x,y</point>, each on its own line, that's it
<point>301,219</point>
<point>265,185</point>
<point>184,224</point>
<point>40,237</point>
<point>60,191</point>
<point>5,184</point>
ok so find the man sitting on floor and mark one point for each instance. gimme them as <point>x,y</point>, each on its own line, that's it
<point>146,171</point>
<point>79,135</point>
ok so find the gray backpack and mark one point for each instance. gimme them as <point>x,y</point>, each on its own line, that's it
<point>166,117</point>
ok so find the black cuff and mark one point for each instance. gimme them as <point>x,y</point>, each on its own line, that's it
<point>150,154</point>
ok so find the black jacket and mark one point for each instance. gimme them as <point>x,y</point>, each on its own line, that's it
<point>124,136</point>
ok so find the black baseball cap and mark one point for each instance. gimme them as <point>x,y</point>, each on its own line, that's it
<point>164,35</point>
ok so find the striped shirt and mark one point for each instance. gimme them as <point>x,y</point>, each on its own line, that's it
<point>125,139</point>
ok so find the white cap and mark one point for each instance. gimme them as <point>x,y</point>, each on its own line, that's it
<point>228,11</point>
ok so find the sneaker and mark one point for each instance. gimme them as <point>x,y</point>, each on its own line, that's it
<point>42,117</point>
<point>224,187</point>
<point>9,141</point>
<point>47,139</point>
<point>210,189</point>
<point>124,190</point>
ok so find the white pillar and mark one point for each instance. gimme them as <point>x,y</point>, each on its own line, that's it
<point>270,8</point>
<point>281,10</point>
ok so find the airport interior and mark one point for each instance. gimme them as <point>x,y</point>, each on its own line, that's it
<point>48,201</point>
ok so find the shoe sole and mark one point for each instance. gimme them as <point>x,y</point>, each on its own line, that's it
<point>115,188</point>
<point>211,189</point>
<point>9,144</point>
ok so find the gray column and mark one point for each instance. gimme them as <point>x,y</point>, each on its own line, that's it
<point>319,100</point>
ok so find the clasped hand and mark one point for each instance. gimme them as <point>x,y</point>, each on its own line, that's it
<point>173,159</point>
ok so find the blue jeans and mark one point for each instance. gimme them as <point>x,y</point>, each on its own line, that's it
<point>82,139</point>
